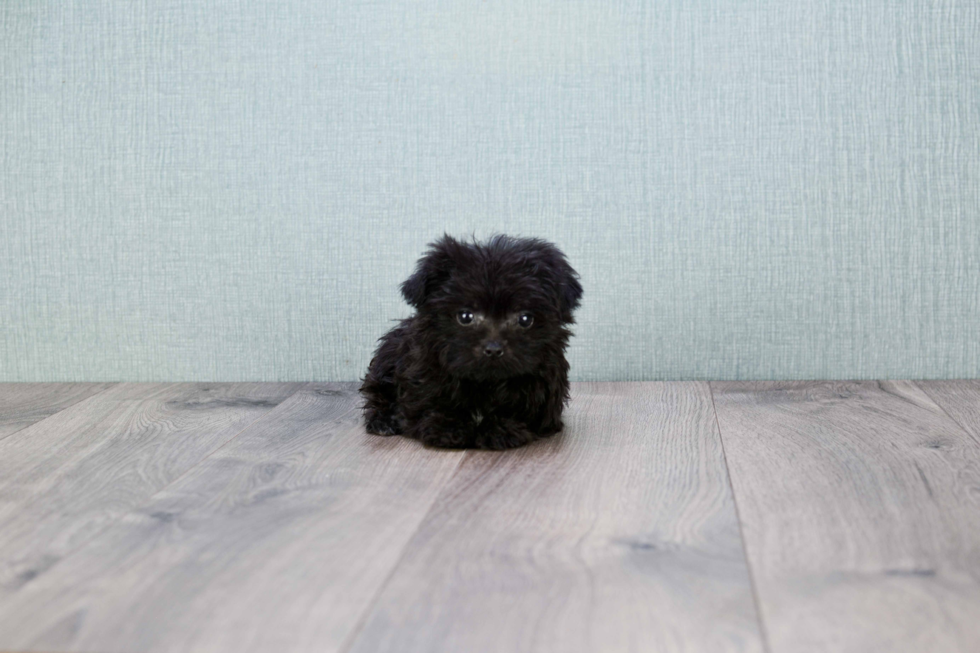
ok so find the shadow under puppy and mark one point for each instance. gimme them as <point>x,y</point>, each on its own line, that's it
<point>482,362</point>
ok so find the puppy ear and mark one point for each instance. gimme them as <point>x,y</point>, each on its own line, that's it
<point>570,293</point>
<point>561,275</point>
<point>431,271</point>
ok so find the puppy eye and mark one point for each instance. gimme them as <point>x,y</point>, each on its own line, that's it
<point>464,317</point>
<point>525,320</point>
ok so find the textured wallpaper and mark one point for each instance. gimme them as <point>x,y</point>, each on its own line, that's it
<point>218,190</point>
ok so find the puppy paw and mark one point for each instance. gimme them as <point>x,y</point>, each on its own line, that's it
<point>447,440</point>
<point>378,424</point>
<point>445,437</point>
<point>503,434</point>
<point>436,430</point>
<point>550,429</point>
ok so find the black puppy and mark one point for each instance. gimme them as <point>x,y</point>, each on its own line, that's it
<point>482,362</point>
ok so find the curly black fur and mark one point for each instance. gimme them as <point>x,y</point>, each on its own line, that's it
<point>467,370</point>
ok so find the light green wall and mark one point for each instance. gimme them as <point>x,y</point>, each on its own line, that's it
<point>210,190</point>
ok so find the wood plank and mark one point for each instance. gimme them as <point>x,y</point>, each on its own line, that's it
<point>64,478</point>
<point>861,513</point>
<point>279,541</point>
<point>23,404</point>
<point>960,400</point>
<point>618,535</point>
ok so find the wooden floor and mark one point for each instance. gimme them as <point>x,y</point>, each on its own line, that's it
<point>778,516</point>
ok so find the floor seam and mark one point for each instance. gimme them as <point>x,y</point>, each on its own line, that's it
<point>224,444</point>
<point>355,633</point>
<point>80,545</point>
<point>969,434</point>
<point>60,410</point>
<point>763,632</point>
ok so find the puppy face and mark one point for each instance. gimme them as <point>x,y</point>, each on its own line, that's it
<point>497,309</point>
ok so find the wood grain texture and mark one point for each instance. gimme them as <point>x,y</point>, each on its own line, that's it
<point>960,400</point>
<point>22,404</point>
<point>860,506</point>
<point>65,478</point>
<point>618,535</point>
<point>279,541</point>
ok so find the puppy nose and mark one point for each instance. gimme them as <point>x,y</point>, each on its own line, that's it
<point>493,349</point>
